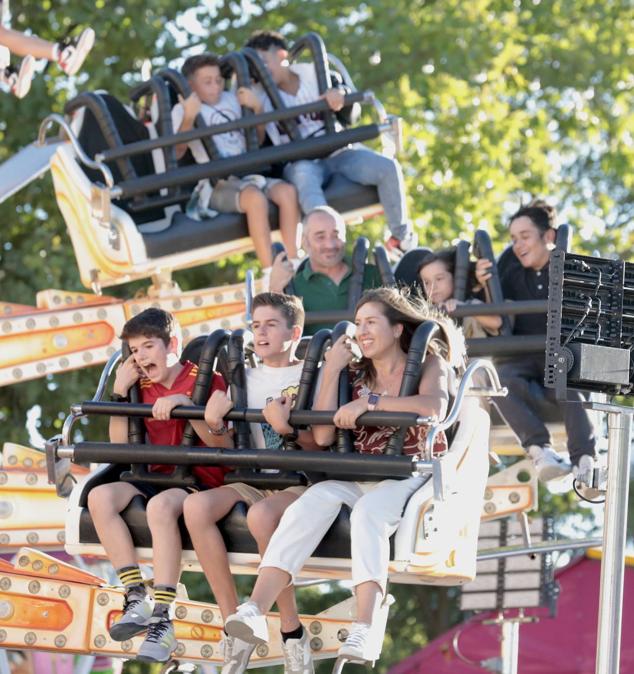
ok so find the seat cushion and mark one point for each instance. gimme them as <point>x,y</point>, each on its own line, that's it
<point>233,527</point>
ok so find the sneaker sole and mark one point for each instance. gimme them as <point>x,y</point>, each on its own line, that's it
<point>149,658</point>
<point>238,629</point>
<point>126,631</point>
<point>553,473</point>
<point>85,43</point>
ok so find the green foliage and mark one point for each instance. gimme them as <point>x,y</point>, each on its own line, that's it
<point>501,100</point>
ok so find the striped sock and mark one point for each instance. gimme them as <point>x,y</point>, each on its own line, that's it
<point>164,595</point>
<point>132,579</point>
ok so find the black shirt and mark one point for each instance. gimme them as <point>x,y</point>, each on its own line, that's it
<point>519,283</point>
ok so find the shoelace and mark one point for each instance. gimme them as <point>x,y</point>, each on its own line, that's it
<point>357,636</point>
<point>130,603</point>
<point>294,656</point>
<point>156,631</point>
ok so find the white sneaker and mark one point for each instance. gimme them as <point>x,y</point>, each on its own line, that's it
<point>584,474</point>
<point>236,654</point>
<point>548,464</point>
<point>73,54</point>
<point>355,645</point>
<point>248,624</point>
<point>298,657</point>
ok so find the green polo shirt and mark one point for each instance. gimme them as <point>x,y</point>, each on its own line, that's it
<point>320,293</point>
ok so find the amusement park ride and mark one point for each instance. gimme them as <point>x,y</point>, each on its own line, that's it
<point>123,194</point>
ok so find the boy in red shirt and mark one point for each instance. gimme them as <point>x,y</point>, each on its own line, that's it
<point>154,340</point>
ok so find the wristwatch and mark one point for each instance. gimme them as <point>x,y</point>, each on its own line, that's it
<point>373,401</point>
<point>116,398</point>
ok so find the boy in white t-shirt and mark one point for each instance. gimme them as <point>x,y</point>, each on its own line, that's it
<point>277,325</point>
<point>297,85</point>
<point>250,194</point>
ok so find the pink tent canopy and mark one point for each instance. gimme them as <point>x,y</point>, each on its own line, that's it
<point>565,644</point>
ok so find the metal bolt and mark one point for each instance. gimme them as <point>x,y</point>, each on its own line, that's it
<point>3,635</point>
<point>53,569</point>
<point>4,478</point>
<point>206,651</point>
<point>316,644</point>
<point>30,638</point>
<point>64,591</point>
<point>342,634</point>
<point>6,610</point>
<point>490,507</point>
<point>315,627</point>
<point>60,641</point>
<point>180,650</point>
<point>207,616</point>
<point>488,494</point>
<point>32,537</point>
<point>37,565</point>
<point>34,587</point>
<point>31,478</point>
<point>126,645</point>
<point>102,599</point>
<point>100,641</point>
<point>180,612</point>
<point>23,560</point>
<point>514,497</point>
<point>262,650</point>
<point>5,583</point>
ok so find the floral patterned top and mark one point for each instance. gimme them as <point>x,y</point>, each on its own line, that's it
<point>374,439</point>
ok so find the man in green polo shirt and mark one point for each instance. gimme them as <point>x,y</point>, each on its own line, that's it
<point>323,280</point>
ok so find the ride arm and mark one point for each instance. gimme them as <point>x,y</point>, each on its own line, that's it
<point>326,399</point>
<point>190,109</point>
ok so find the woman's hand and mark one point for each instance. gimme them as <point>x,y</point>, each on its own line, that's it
<point>128,373</point>
<point>340,355</point>
<point>163,407</point>
<point>277,412</point>
<point>216,408</point>
<point>347,415</point>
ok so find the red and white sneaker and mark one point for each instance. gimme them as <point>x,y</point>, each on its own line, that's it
<point>72,54</point>
<point>19,81</point>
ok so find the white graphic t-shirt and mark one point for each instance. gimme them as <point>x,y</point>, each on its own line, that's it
<point>226,110</point>
<point>308,92</point>
<point>265,383</point>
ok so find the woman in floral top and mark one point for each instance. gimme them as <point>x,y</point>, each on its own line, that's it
<point>385,320</point>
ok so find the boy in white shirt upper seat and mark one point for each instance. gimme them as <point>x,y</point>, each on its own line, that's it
<point>250,194</point>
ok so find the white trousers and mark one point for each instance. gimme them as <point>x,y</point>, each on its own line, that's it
<point>377,509</point>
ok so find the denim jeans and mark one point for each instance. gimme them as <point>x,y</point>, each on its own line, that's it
<point>361,166</point>
<point>519,407</point>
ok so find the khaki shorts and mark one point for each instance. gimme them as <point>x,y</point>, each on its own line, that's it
<point>251,495</point>
<point>225,197</point>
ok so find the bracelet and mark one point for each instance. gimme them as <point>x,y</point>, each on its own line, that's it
<point>218,431</point>
<point>116,398</point>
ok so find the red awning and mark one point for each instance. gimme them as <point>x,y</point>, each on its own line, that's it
<point>565,644</point>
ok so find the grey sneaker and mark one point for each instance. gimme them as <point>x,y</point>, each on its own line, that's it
<point>135,619</point>
<point>159,643</point>
<point>356,644</point>
<point>248,624</point>
<point>298,657</point>
<point>590,478</point>
<point>548,464</point>
<point>236,654</point>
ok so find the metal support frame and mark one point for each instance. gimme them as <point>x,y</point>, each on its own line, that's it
<point>614,537</point>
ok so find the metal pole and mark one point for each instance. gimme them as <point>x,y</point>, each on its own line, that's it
<point>510,646</point>
<point>5,668</point>
<point>614,528</point>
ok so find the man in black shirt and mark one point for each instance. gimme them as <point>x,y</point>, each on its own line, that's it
<point>533,236</point>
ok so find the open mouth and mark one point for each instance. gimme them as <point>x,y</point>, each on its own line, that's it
<point>149,370</point>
